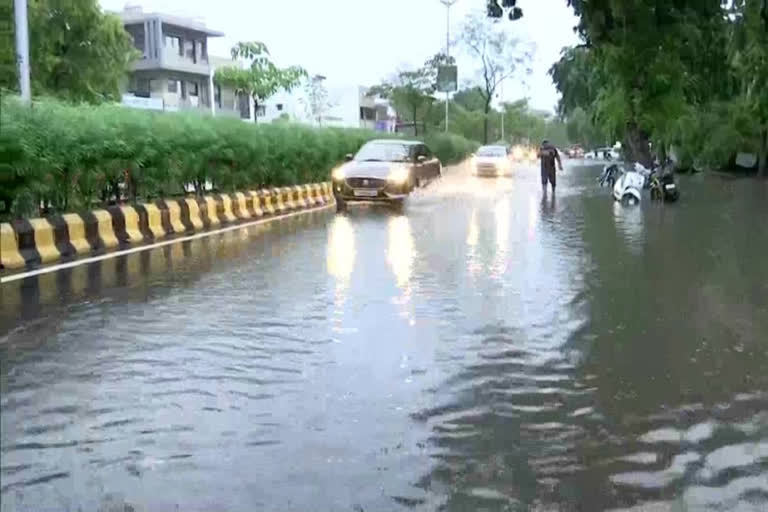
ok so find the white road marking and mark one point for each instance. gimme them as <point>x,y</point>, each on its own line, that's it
<point>123,252</point>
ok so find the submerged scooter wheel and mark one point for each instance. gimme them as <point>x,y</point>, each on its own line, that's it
<point>629,200</point>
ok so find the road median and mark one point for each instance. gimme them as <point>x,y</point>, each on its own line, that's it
<point>27,244</point>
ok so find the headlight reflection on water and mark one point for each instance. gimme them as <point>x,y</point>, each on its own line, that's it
<point>341,249</point>
<point>401,252</point>
<point>340,262</point>
<point>501,213</point>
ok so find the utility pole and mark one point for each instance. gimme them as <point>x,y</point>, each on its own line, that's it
<point>501,104</point>
<point>22,48</point>
<point>447,4</point>
<point>211,90</point>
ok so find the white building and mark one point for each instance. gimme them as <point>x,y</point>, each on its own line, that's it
<point>174,72</point>
<point>348,107</point>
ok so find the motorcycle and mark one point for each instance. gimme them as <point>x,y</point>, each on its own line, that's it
<point>610,174</point>
<point>663,186</point>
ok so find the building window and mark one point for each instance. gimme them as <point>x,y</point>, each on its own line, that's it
<point>217,95</point>
<point>142,88</point>
<point>173,86</point>
<point>192,89</point>
<point>279,107</point>
<point>138,40</point>
<point>175,43</point>
<point>244,105</point>
<point>367,114</point>
<point>189,50</point>
<point>261,111</point>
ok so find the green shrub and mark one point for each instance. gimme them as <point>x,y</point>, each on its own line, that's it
<point>59,157</point>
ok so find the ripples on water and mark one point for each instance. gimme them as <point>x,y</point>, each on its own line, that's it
<point>488,350</point>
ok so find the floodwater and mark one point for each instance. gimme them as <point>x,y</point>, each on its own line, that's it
<point>486,349</point>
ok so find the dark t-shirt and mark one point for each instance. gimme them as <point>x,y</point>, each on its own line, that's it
<point>548,155</point>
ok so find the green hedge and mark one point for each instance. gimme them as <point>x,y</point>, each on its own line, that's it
<point>69,157</point>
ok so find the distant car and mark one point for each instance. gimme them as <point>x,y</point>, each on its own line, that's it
<point>575,152</point>
<point>492,161</point>
<point>385,171</point>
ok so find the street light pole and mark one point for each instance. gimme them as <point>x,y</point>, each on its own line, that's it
<point>502,109</point>
<point>22,47</point>
<point>447,4</point>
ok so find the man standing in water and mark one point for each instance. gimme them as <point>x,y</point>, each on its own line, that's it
<point>548,155</point>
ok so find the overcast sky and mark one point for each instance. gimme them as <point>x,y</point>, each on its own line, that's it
<point>361,42</point>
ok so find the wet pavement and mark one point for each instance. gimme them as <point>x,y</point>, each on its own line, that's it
<point>487,349</point>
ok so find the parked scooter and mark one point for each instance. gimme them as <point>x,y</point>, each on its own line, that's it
<point>629,185</point>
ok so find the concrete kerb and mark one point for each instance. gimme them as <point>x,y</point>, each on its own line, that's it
<point>27,244</point>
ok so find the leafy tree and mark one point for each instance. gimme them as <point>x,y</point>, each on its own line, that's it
<point>471,98</point>
<point>750,60</point>
<point>76,51</point>
<point>316,102</point>
<point>410,92</point>
<point>494,10</point>
<point>498,54</point>
<point>262,78</point>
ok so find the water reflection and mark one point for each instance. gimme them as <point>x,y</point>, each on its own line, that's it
<point>341,248</point>
<point>340,260</point>
<point>400,249</point>
<point>629,221</point>
<point>548,205</point>
<point>501,213</point>
<point>472,233</point>
<point>533,218</point>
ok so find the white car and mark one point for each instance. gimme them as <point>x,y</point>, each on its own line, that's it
<point>492,161</point>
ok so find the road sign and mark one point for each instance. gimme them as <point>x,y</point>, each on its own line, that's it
<point>447,79</point>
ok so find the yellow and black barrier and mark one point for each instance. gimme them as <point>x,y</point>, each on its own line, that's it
<point>29,243</point>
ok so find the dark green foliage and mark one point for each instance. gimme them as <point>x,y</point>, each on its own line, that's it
<point>66,157</point>
<point>76,51</point>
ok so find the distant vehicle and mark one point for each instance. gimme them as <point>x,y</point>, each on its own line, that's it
<point>384,171</point>
<point>575,152</point>
<point>492,161</point>
<point>605,153</point>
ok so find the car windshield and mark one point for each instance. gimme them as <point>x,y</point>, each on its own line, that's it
<point>492,151</point>
<point>382,152</point>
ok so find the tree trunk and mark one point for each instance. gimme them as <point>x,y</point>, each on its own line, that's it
<point>415,125</point>
<point>763,165</point>
<point>485,122</point>
<point>636,145</point>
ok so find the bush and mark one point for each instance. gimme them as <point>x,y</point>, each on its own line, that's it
<point>68,157</point>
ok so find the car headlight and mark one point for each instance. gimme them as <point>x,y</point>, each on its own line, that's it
<point>518,153</point>
<point>338,174</point>
<point>398,175</point>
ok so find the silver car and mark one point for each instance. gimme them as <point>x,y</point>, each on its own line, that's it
<point>384,171</point>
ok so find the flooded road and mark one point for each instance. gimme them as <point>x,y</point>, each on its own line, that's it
<point>488,349</point>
